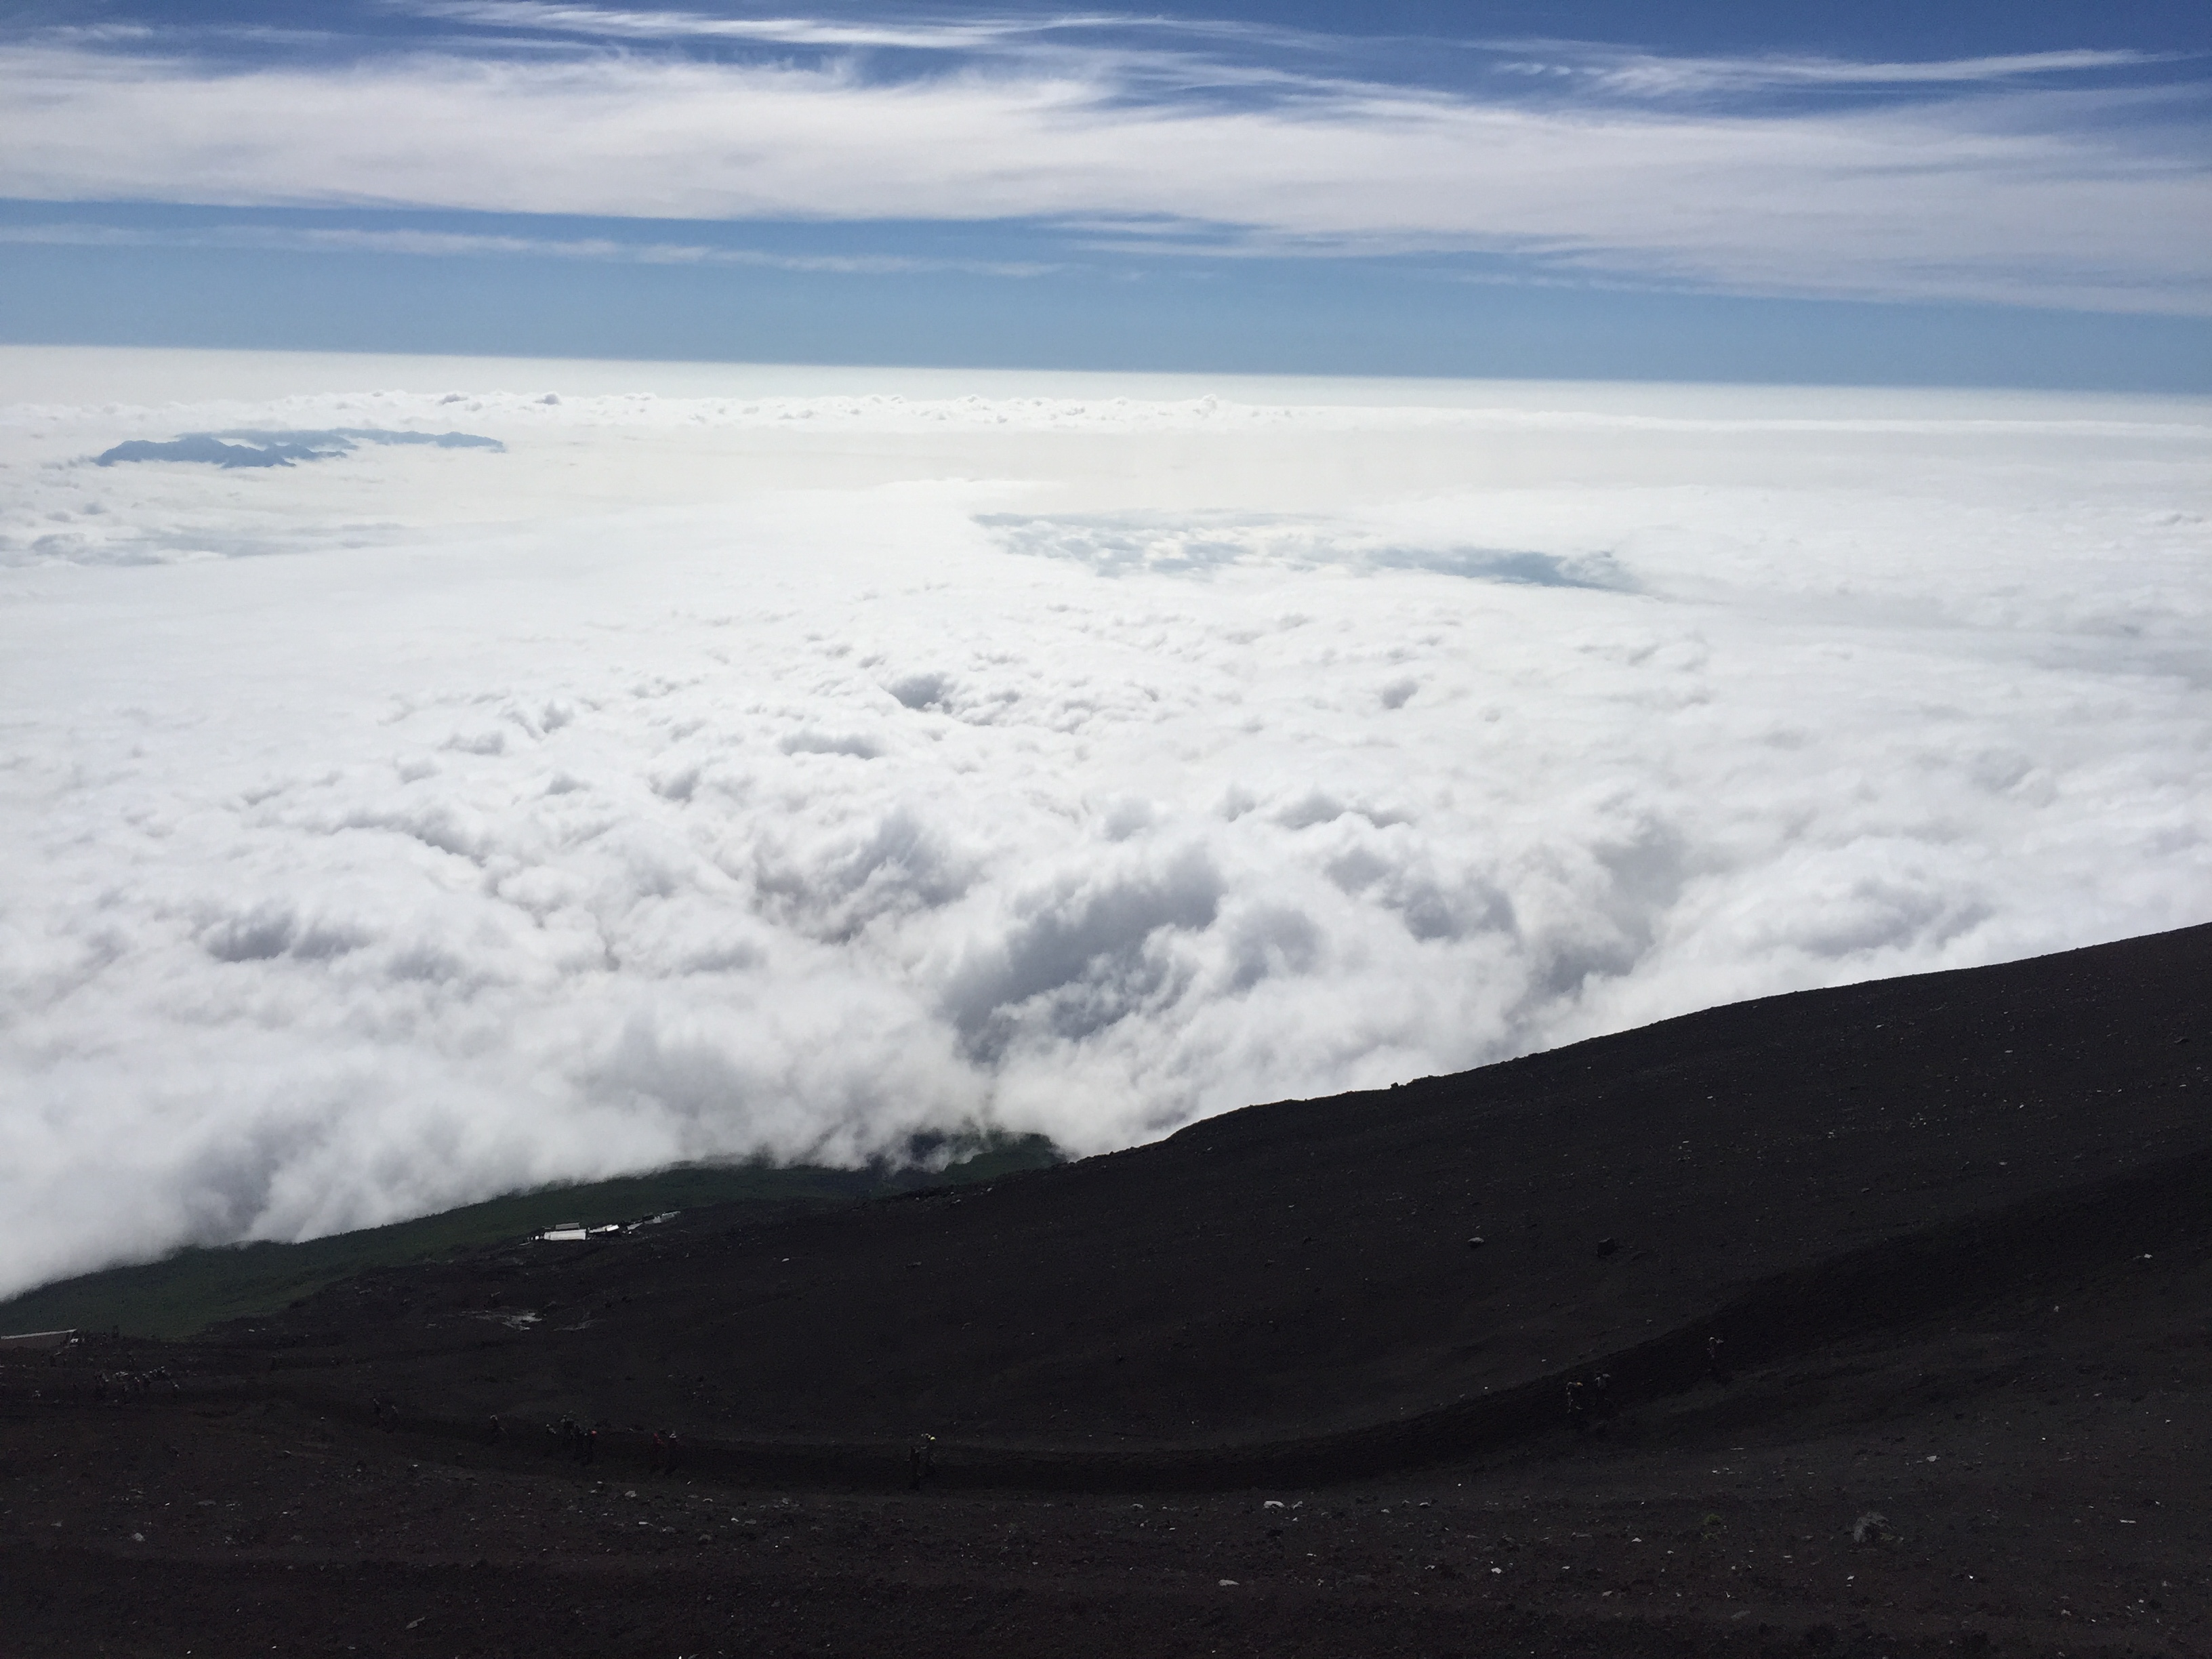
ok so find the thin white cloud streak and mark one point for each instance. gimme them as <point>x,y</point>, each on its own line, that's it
<point>612,22</point>
<point>715,773</point>
<point>478,245</point>
<point>1640,72</point>
<point>1648,74</point>
<point>2026,197</point>
<point>999,37</point>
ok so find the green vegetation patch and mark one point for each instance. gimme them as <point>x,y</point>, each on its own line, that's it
<point>195,1288</point>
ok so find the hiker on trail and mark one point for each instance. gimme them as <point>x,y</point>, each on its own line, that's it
<point>1577,1409</point>
<point>921,1456</point>
<point>1715,1360</point>
<point>1602,1397</point>
<point>673,1451</point>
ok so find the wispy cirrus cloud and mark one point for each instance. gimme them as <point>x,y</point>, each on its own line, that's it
<point>2013,180</point>
<point>1643,74</point>
<point>1098,34</point>
<point>971,35</point>
<point>478,245</point>
<point>1313,57</point>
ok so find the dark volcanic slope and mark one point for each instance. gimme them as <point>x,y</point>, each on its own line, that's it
<point>1307,1267</point>
<point>1955,1232</point>
<point>183,1294</point>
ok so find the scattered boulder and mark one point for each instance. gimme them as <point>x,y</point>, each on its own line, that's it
<point>1872,1527</point>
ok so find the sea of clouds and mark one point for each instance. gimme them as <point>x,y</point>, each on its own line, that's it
<point>725,761</point>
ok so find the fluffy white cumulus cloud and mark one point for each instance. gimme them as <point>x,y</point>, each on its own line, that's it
<point>722,768</point>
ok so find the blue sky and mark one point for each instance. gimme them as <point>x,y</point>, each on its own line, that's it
<point>1986,194</point>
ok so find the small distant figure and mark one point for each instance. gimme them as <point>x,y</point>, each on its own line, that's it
<point>659,1456</point>
<point>673,1452</point>
<point>1717,1365</point>
<point>1577,1409</point>
<point>580,1444</point>
<point>1601,1398</point>
<point>920,1462</point>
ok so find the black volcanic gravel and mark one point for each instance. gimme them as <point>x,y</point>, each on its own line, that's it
<point>1935,1250</point>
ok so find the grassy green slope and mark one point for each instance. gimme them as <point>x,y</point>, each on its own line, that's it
<point>195,1288</point>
